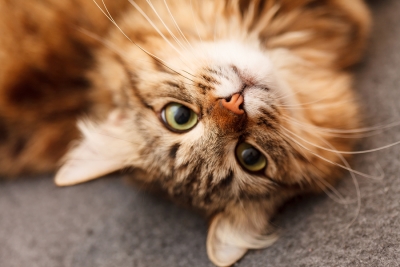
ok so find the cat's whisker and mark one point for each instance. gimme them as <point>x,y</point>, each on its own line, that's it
<point>350,131</point>
<point>315,107</point>
<point>193,50</point>
<point>352,136</point>
<point>101,9</point>
<point>326,187</point>
<point>194,20</point>
<point>345,166</point>
<point>110,46</point>
<point>108,12</point>
<point>353,177</point>
<point>189,73</point>
<point>190,48</point>
<point>112,20</point>
<point>166,27</point>
<point>89,159</point>
<point>338,135</point>
<point>177,26</point>
<point>338,151</point>
<point>380,177</point>
<point>344,135</point>
<point>283,96</point>
<point>118,52</point>
<point>312,103</point>
<point>178,81</point>
<point>332,193</point>
<point>159,60</point>
<point>329,189</point>
<point>170,32</point>
<point>103,41</point>
<point>133,3</point>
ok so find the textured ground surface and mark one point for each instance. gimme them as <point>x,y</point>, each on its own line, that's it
<point>105,223</point>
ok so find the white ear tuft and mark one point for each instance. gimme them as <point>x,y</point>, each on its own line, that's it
<point>101,151</point>
<point>231,235</point>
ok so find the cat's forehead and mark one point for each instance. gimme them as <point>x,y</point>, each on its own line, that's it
<point>247,57</point>
<point>234,59</point>
<point>224,67</point>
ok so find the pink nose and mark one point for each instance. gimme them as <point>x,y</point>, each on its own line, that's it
<point>234,104</point>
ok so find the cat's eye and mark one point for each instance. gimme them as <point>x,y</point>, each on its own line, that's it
<point>178,117</point>
<point>250,157</point>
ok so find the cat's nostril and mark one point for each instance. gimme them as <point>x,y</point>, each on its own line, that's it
<point>228,99</point>
<point>234,103</point>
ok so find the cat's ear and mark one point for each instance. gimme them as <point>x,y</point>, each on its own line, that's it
<point>102,150</point>
<point>232,233</point>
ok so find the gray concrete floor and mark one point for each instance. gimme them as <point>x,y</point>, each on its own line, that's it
<point>105,223</point>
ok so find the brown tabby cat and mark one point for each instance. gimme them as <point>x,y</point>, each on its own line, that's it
<point>231,107</point>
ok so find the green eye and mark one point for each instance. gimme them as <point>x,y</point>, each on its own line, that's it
<point>250,158</point>
<point>179,117</point>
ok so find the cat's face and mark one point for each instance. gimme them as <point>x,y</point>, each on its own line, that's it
<point>199,149</point>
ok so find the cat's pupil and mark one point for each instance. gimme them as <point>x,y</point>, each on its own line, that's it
<point>182,115</point>
<point>250,156</point>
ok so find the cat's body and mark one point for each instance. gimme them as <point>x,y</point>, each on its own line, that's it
<point>283,62</point>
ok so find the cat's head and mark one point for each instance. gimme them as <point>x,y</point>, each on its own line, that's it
<point>211,135</point>
<point>216,136</point>
<point>225,126</point>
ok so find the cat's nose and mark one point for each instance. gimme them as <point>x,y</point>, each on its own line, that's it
<point>228,114</point>
<point>234,104</point>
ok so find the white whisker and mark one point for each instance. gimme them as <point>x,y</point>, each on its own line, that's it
<point>351,131</point>
<point>313,103</point>
<point>133,3</point>
<point>335,195</point>
<point>339,135</point>
<point>106,43</point>
<point>353,177</point>
<point>107,10</point>
<point>195,24</point>
<point>380,177</point>
<point>166,27</point>
<point>342,152</point>
<point>176,25</point>
<point>113,21</point>
<point>141,48</point>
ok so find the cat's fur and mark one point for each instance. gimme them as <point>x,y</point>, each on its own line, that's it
<point>64,61</point>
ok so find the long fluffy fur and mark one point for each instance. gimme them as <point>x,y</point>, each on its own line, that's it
<point>68,62</point>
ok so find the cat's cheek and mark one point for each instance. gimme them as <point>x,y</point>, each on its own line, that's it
<point>193,136</point>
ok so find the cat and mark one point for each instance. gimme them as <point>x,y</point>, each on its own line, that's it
<point>230,107</point>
